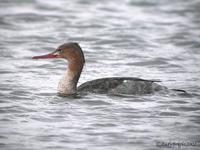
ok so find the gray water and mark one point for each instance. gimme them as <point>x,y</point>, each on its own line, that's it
<point>149,39</point>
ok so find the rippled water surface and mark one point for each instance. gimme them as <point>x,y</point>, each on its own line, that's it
<point>138,38</point>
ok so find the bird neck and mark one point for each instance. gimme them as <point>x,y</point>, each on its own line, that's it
<point>68,83</point>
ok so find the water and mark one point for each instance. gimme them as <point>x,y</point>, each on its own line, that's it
<point>138,38</point>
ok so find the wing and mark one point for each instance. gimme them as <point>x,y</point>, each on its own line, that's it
<point>104,85</point>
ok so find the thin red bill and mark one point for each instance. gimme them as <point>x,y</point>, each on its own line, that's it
<point>48,56</point>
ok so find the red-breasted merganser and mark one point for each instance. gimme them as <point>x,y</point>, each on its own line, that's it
<point>73,53</point>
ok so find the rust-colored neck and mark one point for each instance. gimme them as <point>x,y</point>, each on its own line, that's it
<point>68,84</point>
<point>75,68</point>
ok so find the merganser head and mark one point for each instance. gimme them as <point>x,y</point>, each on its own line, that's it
<point>70,51</point>
<point>75,57</point>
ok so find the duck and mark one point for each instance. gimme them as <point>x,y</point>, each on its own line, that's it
<point>73,53</point>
